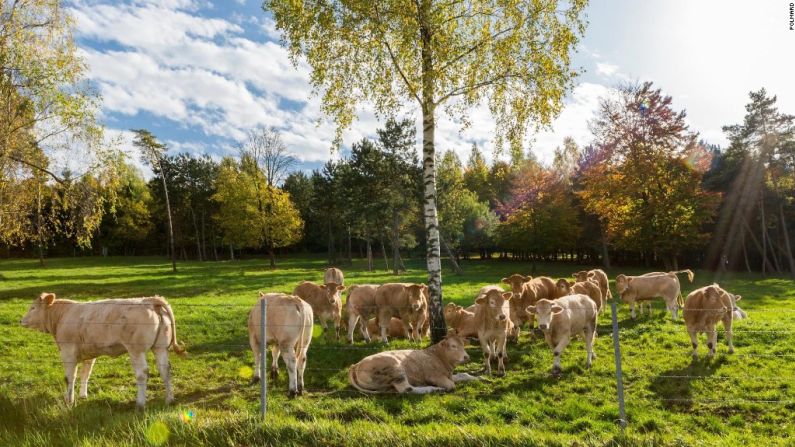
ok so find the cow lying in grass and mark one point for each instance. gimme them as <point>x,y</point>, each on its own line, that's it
<point>461,320</point>
<point>85,331</point>
<point>704,308</point>
<point>562,319</point>
<point>417,371</point>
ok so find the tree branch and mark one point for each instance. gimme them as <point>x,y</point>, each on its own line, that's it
<point>37,167</point>
<point>410,88</point>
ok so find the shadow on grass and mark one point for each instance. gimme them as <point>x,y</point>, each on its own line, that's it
<point>674,387</point>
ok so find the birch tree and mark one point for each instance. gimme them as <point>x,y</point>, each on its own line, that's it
<point>442,56</point>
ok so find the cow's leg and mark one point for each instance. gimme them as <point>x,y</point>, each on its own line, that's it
<point>486,347</point>
<point>590,332</point>
<point>464,377</point>
<point>364,329</point>
<point>352,319</point>
<point>501,355</point>
<point>252,341</point>
<point>164,367</point>
<point>275,353</point>
<point>337,319</point>
<point>557,352</point>
<point>301,367</point>
<point>727,326</point>
<point>517,327</point>
<point>443,382</point>
<point>694,342</point>
<point>141,368</point>
<point>70,369</point>
<point>85,374</point>
<point>712,340</point>
<point>383,323</point>
<point>632,309</point>
<point>291,362</point>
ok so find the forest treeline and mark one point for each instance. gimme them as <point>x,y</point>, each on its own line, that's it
<point>645,191</point>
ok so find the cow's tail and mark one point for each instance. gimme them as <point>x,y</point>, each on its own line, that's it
<point>689,274</point>
<point>680,301</point>
<point>163,304</point>
<point>306,329</point>
<point>353,378</point>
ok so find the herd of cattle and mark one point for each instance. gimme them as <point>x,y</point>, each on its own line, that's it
<point>564,309</point>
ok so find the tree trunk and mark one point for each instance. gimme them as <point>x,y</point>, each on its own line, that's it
<point>330,244</point>
<point>383,251</point>
<point>212,243</point>
<point>395,242</point>
<point>453,261</point>
<point>198,238</point>
<point>39,224</point>
<point>170,223</point>
<point>369,255</point>
<point>745,257</point>
<point>787,246</point>
<point>204,238</point>
<point>272,255</point>
<point>605,253</point>
<point>350,248</point>
<point>231,252</point>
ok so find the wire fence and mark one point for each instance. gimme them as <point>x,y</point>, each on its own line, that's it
<point>636,377</point>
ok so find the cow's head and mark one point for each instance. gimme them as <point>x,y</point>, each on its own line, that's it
<point>516,281</point>
<point>333,292</point>
<point>545,310</point>
<point>622,283</point>
<point>564,287</point>
<point>453,349</point>
<point>416,296</point>
<point>494,301</point>
<point>581,276</point>
<point>36,317</point>
<point>451,313</point>
<point>737,313</point>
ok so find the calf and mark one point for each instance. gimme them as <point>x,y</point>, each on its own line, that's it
<point>704,308</point>
<point>360,307</point>
<point>405,301</point>
<point>395,330</point>
<point>600,277</point>
<point>527,291</point>
<point>85,331</point>
<point>587,287</point>
<point>326,303</point>
<point>416,371</point>
<point>652,285</point>
<point>334,275</point>
<point>288,329</point>
<point>461,320</point>
<point>493,323</point>
<point>562,319</point>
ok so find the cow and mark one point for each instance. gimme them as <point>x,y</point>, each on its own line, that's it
<point>493,323</point>
<point>334,275</point>
<point>587,287</point>
<point>87,330</point>
<point>405,301</point>
<point>704,308</point>
<point>526,291</point>
<point>562,319</point>
<point>395,330</point>
<point>600,277</point>
<point>416,371</point>
<point>288,329</point>
<point>460,320</point>
<point>359,307</point>
<point>652,285</point>
<point>326,303</point>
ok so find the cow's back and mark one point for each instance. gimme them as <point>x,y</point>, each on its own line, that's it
<point>654,285</point>
<point>289,319</point>
<point>392,295</point>
<point>581,311</point>
<point>312,294</point>
<point>362,298</point>
<point>702,310</point>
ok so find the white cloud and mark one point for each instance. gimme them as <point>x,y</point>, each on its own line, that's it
<point>606,69</point>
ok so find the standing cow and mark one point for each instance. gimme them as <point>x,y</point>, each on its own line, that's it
<point>326,302</point>
<point>704,308</point>
<point>405,301</point>
<point>562,319</point>
<point>288,328</point>
<point>665,285</point>
<point>359,307</point>
<point>527,291</point>
<point>599,277</point>
<point>85,331</point>
<point>587,287</point>
<point>493,323</point>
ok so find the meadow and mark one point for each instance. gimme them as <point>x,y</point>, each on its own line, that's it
<point>742,399</point>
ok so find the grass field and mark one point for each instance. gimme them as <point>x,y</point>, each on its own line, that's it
<point>741,399</point>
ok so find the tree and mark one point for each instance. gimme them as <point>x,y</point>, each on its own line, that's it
<point>241,191</point>
<point>153,152</point>
<point>128,220</point>
<point>638,179</point>
<point>513,55</point>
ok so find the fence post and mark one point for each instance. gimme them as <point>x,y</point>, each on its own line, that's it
<point>619,379</point>
<point>263,390</point>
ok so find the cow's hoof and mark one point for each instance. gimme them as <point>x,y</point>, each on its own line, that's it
<point>291,394</point>
<point>500,374</point>
<point>254,380</point>
<point>731,350</point>
<point>556,371</point>
<point>140,407</point>
<point>274,374</point>
<point>300,392</point>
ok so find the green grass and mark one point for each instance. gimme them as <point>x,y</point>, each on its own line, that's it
<point>670,400</point>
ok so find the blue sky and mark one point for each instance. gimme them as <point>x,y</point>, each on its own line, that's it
<point>201,73</point>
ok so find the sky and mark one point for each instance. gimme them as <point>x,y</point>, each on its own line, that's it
<point>200,74</point>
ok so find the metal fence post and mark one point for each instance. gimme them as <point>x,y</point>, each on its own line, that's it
<point>619,379</point>
<point>263,390</point>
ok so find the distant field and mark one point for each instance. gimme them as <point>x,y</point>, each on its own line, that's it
<point>741,399</point>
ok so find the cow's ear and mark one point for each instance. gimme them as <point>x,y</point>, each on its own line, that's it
<point>424,287</point>
<point>738,297</point>
<point>556,309</point>
<point>591,274</point>
<point>340,288</point>
<point>505,280</point>
<point>261,295</point>
<point>507,295</point>
<point>48,298</point>
<point>527,278</point>
<point>322,286</point>
<point>531,309</point>
<point>480,300</point>
<point>571,283</point>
